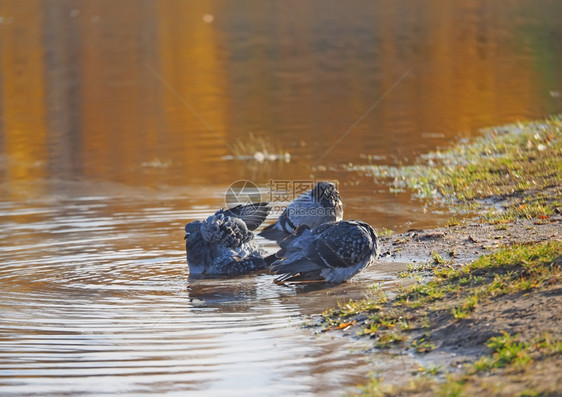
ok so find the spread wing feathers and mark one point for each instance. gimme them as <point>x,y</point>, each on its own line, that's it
<point>227,231</point>
<point>253,214</point>
<point>233,227</point>
<point>273,232</point>
<point>270,259</point>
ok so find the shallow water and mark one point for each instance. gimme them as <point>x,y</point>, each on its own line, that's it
<point>122,121</point>
<point>96,298</point>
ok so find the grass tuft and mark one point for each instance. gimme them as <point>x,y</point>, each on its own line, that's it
<point>518,164</point>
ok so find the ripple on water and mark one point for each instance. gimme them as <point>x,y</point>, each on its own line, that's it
<point>95,297</point>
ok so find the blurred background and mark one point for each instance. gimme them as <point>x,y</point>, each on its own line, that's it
<point>122,120</point>
<point>156,93</point>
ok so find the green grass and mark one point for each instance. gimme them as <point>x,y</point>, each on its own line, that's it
<point>452,222</point>
<point>431,370</point>
<point>506,351</point>
<point>508,355</point>
<point>458,292</point>
<point>384,232</point>
<point>518,164</point>
<point>386,340</point>
<point>436,258</point>
<point>465,308</point>
<point>353,307</point>
<point>509,173</point>
<point>423,345</point>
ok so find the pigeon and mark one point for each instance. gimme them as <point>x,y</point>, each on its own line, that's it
<point>332,252</point>
<point>222,245</point>
<point>317,206</point>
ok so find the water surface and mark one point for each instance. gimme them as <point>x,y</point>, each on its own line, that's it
<point>122,121</point>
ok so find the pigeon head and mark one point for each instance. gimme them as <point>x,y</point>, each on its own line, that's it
<point>191,228</point>
<point>326,194</point>
<point>195,248</point>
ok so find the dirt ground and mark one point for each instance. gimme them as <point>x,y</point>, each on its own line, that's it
<point>528,314</point>
<point>510,179</point>
<point>459,343</point>
<point>462,244</point>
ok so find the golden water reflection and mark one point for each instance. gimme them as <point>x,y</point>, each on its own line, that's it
<point>80,99</point>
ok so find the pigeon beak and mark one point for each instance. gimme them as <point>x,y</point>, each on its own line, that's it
<point>186,236</point>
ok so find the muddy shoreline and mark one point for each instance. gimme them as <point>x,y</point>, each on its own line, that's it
<point>455,345</point>
<point>529,314</point>
<point>481,309</point>
<point>462,244</point>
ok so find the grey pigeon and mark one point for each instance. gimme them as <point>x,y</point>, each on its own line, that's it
<point>332,252</point>
<point>222,245</point>
<point>317,206</point>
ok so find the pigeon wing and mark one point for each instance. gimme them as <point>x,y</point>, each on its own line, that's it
<point>253,214</point>
<point>273,232</point>
<point>344,245</point>
<point>293,253</point>
<point>296,266</point>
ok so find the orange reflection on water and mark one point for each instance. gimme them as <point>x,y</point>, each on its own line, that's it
<point>151,93</point>
<point>24,132</point>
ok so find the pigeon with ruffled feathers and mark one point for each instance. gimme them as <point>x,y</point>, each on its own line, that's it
<point>222,245</point>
